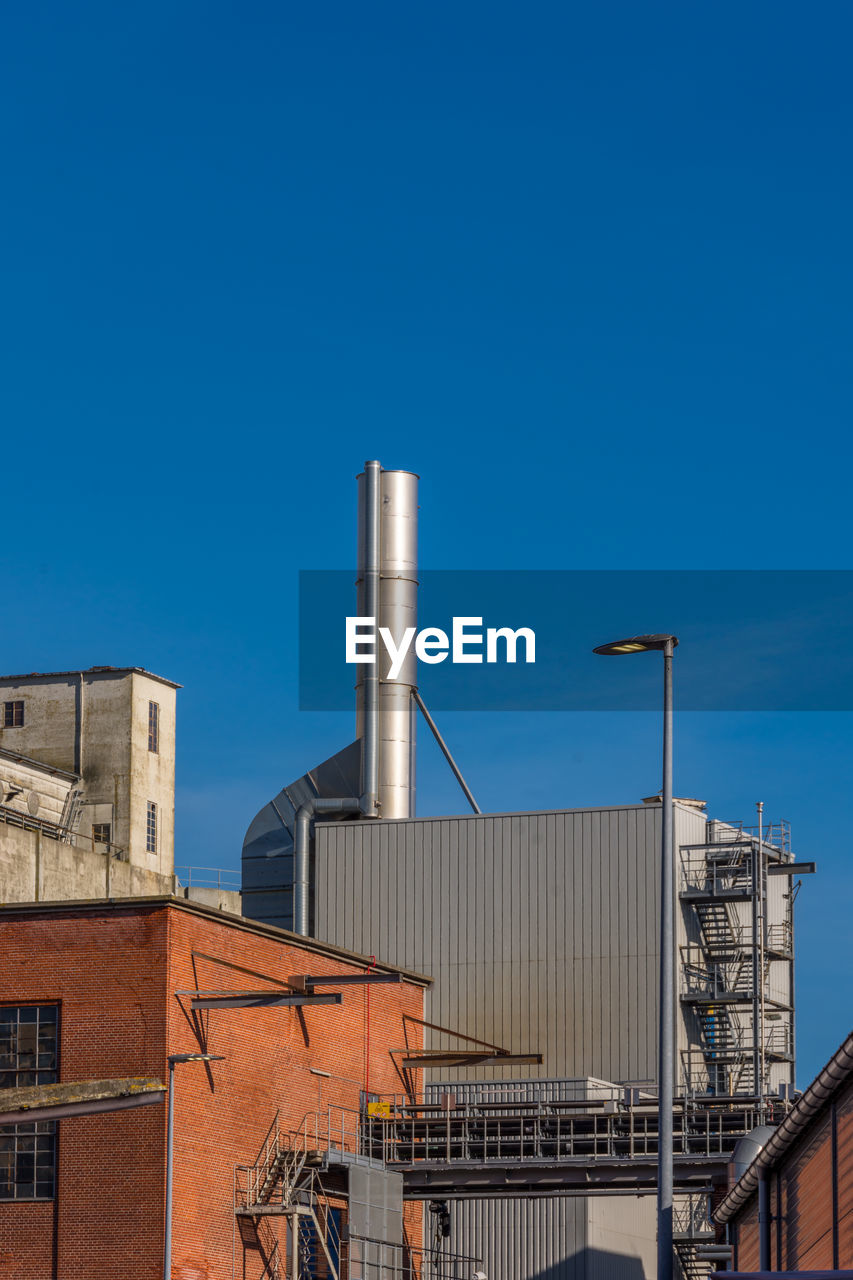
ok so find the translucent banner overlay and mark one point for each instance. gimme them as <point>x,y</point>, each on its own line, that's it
<point>750,640</point>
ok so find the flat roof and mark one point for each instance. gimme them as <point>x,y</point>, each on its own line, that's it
<point>640,805</point>
<point>89,671</point>
<point>226,918</point>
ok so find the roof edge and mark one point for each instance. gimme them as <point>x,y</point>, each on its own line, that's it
<point>54,772</point>
<point>226,918</point>
<point>638,806</point>
<point>90,671</point>
<point>821,1089</point>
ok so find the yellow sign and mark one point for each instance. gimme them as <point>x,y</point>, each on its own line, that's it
<point>381,1109</point>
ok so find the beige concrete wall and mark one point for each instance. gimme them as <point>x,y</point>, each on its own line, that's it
<point>96,723</point>
<point>223,899</point>
<point>47,733</point>
<point>152,774</point>
<point>621,1237</point>
<point>33,789</point>
<point>36,868</point>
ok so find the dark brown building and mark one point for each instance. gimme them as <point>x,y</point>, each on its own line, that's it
<point>792,1210</point>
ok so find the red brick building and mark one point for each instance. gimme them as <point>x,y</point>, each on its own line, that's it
<point>94,990</point>
<point>792,1210</point>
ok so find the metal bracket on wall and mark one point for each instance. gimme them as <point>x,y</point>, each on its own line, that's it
<point>256,999</point>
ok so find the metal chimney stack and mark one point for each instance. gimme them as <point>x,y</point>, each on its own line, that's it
<point>388,591</point>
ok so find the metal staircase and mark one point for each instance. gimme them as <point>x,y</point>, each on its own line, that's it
<point>285,1181</point>
<point>726,967</point>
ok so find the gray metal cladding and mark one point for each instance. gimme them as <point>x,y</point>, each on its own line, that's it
<point>470,1092</point>
<point>532,1238</point>
<point>539,929</point>
<point>573,1238</point>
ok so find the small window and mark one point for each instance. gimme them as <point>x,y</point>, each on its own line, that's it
<point>13,715</point>
<point>151,828</point>
<point>29,1055</point>
<point>101,832</point>
<point>153,726</point>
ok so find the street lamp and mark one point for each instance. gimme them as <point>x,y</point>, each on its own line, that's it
<point>666,1038</point>
<point>170,1128</point>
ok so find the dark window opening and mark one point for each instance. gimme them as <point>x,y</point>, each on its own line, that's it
<point>153,726</point>
<point>13,715</point>
<point>101,832</point>
<point>151,828</point>
<point>29,1055</point>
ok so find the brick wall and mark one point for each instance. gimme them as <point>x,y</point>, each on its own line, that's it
<point>114,972</point>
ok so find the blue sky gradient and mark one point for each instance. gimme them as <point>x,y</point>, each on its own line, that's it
<point>587,269</point>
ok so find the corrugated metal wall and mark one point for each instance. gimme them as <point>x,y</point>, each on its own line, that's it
<point>561,1239</point>
<point>539,929</point>
<point>518,1238</point>
<point>541,933</point>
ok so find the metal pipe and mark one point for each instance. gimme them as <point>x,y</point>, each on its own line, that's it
<point>301,847</point>
<point>836,1072</point>
<point>764,1219</point>
<point>759,890</point>
<point>666,1045</point>
<point>170,1129</point>
<point>444,747</point>
<point>398,611</point>
<point>369,552</point>
<point>387,592</point>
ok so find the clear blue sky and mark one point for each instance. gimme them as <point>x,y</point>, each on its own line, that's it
<point>586,268</point>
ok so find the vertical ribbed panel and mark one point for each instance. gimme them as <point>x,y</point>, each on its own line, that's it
<point>540,930</point>
<point>518,1238</point>
<point>558,1239</point>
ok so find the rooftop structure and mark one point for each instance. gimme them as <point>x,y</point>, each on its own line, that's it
<point>288,1025</point>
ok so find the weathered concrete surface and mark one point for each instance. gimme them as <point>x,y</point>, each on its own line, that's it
<point>36,868</point>
<point>86,1097</point>
<point>223,899</point>
<point>95,724</point>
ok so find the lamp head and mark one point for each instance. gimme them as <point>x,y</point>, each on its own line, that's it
<point>636,644</point>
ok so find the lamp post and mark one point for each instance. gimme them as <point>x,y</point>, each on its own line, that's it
<point>666,1037</point>
<point>170,1129</point>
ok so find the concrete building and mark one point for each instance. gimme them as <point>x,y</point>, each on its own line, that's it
<point>541,930</point>
<point>98,990</point>
<point>87,788</point>
<point>112,731</point>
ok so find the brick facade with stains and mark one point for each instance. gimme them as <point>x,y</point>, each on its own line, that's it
<point>115,969</point>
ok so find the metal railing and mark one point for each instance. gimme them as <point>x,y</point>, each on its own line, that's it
<point>54,831</point>
<point>730,871</point>
<point>776,835</point>
<point>700,977</point>
<point>780,937</point>
<point>208,878</point>
<point>366,1258</point>
<point>548,1132</point>
<point>691,1217</point>
<point>285,1153</point>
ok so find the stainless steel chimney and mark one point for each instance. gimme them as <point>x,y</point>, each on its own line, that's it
<point>385,709</point>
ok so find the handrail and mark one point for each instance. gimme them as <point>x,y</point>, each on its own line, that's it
<point>55,831</point>
<point>224,878</point>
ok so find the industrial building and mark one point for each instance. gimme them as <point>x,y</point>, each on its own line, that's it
<point>540,931</point>
<point>106,989</point>
<point>502,1108</point>
<point>791,1211</point>
<point>87,787</point>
